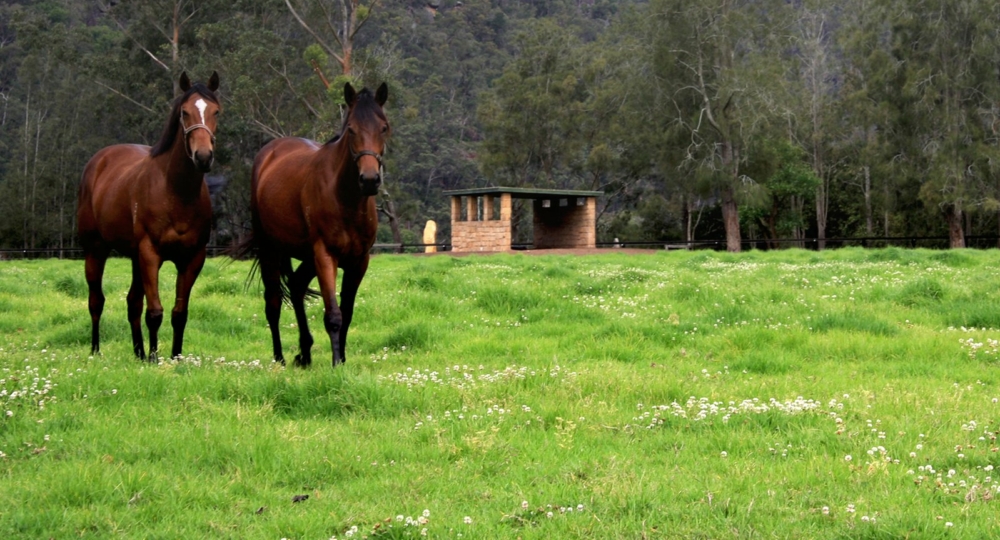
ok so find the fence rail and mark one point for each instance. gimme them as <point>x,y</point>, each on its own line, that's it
<point>933,242</point>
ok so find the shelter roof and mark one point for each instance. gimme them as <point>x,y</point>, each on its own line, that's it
<point>524,193</point>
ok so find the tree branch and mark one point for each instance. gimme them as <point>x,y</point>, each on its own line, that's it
<point>315,36</point>
<point>130,100</point>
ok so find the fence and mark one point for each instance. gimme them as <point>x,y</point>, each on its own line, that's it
<point>932,242</point>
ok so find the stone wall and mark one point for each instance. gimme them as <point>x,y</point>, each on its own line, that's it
<point>567,222</point>
<point>478,230</point>
<point>559,222</point>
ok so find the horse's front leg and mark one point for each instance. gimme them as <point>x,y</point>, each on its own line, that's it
<point>326,272</point>
<point>348,292</point>
<point>149,269</point>
<point>187,273</point>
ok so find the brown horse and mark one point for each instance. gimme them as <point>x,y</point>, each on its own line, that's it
<point>315,202</point>
<point>152,205</point>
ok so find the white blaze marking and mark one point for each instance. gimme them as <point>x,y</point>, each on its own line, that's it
<point>201,108</point>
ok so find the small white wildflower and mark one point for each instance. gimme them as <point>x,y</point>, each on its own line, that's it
<point>467,520</point>
<point>848,457</point>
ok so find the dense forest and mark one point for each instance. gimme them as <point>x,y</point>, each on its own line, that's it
<point>698,119</point>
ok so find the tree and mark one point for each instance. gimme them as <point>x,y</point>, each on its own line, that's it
<point>716,63</point>
<point>949,52</point>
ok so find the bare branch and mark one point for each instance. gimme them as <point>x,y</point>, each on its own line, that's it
<point>130,100</point>
<point>315,36</point>
<point>126,32</point>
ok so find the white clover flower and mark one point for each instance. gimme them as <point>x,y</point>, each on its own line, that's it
<point>848,457</point>
<point>524,505</point>
<point>724,454</point>
<point>826,510</point>
<point>548,515</point>
<point>949,524</point>
<point>467,520</point>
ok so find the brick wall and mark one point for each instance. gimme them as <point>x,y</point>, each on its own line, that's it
<point>473,234</point>
<point>565,223</point>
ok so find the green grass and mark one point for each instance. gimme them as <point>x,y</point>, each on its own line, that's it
<point>691,395</point>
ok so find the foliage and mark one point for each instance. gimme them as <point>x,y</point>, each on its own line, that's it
<point>667,106</point>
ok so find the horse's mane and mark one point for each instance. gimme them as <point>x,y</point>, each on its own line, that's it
<point>173,121</point>
<point>365,108</point>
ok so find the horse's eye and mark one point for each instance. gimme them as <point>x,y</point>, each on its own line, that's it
<point>217,113</point>
<point>385,129</point>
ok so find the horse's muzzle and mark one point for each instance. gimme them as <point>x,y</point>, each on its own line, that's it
<point>203,160</point>
<point>369,186</point>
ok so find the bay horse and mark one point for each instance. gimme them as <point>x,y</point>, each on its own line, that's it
<point>316,203</point>
<point>151,204</point>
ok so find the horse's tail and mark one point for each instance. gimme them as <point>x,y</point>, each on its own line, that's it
<point>248,248</point>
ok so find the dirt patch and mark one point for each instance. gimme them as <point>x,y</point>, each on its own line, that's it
<point>562,251</point>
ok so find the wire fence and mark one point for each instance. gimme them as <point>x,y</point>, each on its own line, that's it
<point>930,242</point>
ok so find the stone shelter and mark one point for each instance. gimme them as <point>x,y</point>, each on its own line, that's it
<point>561,218</point>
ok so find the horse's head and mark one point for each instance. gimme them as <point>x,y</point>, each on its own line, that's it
<point>199,113</point>
<point>366,131</point>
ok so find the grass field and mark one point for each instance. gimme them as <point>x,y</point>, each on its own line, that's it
<point>787,394</point>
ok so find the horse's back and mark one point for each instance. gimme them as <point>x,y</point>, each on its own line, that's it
<point>104,199</point>
<point>280,172</point>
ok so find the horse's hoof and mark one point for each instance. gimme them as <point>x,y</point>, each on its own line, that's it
<point>302,361</point>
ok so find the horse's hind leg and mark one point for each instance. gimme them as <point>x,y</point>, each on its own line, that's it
<point>186,276</point>
<point>298,284</point>
<point>134,299</point>
<point>270,275</point>
<point>94,271</point>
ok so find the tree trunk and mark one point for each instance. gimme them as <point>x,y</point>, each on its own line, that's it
<point>822,205</point>
<point>956,235</point>
<point>867,188</point>
<point>389,210</point>
<point>731,220</point>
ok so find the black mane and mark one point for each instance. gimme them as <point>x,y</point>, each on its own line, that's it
<point>365,109</point>
<point>173,121</point>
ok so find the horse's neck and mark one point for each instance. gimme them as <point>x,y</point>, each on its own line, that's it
<point>182,177</point>
<point>343,173</point>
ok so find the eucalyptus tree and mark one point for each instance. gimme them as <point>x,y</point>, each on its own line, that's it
<point>867,105</point>
<point>717,64</point>
<point>949,53</point>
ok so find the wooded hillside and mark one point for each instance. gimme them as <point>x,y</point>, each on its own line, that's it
<point>698,118</point>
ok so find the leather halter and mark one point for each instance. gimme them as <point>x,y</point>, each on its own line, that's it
<point>358,155</point>
<point>189,129</point>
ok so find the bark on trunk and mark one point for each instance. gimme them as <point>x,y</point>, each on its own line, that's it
<point>869,220</point>
<point>956,235</point>
<point>731,220</point>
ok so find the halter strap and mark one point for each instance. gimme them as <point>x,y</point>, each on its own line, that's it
<point>357,155</point>
<point>192,127</point>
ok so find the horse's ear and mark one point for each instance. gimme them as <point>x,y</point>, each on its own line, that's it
<point>185,82</point>
<point>382,94</point>
<point>349,94</point>
<point>213,82</point>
